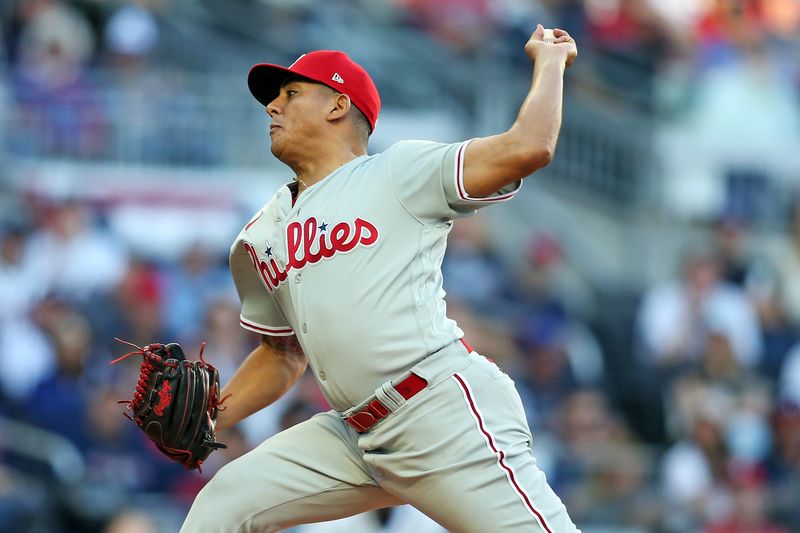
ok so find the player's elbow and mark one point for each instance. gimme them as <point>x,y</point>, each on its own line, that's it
<point>531,158</point>
<point>541,156</point>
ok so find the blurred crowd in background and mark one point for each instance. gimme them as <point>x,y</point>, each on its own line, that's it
<point>667,401</point>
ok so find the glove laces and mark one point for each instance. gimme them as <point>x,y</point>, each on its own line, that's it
<point>149,362</point>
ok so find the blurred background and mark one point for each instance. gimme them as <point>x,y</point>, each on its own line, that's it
<point>643,290</point>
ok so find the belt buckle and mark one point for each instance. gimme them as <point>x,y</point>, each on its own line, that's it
<point>367,417</point>
<point>361,421</point>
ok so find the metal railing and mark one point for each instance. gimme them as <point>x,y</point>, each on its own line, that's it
<point>210,121</point>
<point>33,443</point>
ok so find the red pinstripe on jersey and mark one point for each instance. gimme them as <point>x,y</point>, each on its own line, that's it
<point>462,191</point>
<point>265,329</point>
<point>253,220</point>
<point>500,454</point>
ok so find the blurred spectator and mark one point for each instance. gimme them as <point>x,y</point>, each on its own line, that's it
<point>20,284</point>
<point>131,35</point>
<point>749,508</point>
<point>773,287</point>
<point>680,18</point>
<point>789,383</point>
<point>59,401</point>
<point>780,17</point>
<point>21,502</point>
<point>745,114</point>
<point>119,458</point>
<point>784,261</point>
<point>727,25</point>
<point>474,272</point>
<point>512,19</point>
<point>20,375</point>
<point>784,467</point>
<point>694,469</point>
<point>494,338</point>
<point>586,430</point>
<point>631,37</point>
<point>721,419</point>
<point>163,112</point>
<point>557,356</point>
<point>57,115</point>
<point>737,116</point>
<point>548,278</point>
<point>21,287</point>
<point>134,310</point>
<point>676,317</point>
<point>732,250</point>
<point>464,25</point>
<point>227,343</point>
<point>191,288</point>
<point>74,259</point>
<point>120,465</point>
<point>743,394</point>
<point>618,491</point>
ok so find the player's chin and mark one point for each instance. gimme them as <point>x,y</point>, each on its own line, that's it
<point>276,148</point>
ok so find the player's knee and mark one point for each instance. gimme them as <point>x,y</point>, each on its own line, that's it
<point>212,509</point>
<point>221,507</point>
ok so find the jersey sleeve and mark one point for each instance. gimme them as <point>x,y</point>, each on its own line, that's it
<point>260,312</point>
<point>429,181</point>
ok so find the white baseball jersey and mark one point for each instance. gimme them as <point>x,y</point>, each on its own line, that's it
<point>353,268</point>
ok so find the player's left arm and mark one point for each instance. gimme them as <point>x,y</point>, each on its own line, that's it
<point>264,376</point>
<point>490,163</point>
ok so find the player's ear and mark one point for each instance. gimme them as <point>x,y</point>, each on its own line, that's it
<point>340,106</point>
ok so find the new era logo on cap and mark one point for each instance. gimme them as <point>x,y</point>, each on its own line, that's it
<point>265,79</point>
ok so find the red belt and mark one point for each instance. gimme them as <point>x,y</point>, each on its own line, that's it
<point>375,410</point>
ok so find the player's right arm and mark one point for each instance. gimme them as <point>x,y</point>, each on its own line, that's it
<point>265,375</point>
<point>494,162</point>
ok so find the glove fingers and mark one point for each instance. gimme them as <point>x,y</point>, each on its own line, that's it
<point>176,403</point>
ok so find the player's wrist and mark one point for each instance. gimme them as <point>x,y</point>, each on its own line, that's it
<point>551,61</point>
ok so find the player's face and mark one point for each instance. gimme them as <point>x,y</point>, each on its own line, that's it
<point>298,113</point>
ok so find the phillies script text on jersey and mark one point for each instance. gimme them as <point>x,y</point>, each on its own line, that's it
<point>309,242</point>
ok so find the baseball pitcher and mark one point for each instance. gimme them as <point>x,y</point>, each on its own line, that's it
<point>340,271</point>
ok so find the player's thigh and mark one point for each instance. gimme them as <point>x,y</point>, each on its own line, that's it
<point>309,473</point>
<point>476,471</point>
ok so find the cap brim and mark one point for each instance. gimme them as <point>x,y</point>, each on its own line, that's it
<point>264,81</point>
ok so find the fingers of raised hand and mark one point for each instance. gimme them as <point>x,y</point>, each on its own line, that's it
<point>561,36</point>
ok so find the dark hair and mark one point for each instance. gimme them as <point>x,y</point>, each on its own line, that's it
<point>363,129</point>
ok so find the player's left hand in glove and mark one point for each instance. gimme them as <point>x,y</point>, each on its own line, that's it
<point>176,402</point>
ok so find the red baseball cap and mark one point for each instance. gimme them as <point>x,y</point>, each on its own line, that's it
<point>329,67</point>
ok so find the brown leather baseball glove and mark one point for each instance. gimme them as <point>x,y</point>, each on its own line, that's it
<point>176,402</point>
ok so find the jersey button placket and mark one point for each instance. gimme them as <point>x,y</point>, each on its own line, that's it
<point>299,277</point>
<point>322,375</point>
<point>305,328</point>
